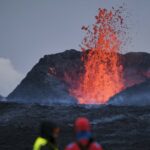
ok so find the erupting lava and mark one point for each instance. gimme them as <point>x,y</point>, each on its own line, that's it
<point>103,71</point>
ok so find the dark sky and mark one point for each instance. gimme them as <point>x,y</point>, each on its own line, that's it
<point>30,29</point>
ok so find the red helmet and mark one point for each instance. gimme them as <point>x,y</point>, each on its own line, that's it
<point>82,124</point>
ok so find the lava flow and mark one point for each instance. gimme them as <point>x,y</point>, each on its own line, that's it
<point>103,70</point>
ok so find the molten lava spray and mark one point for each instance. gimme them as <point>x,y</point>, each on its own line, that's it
<point>103,71</point>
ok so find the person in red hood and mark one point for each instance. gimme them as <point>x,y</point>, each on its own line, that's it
<point>84,139</point>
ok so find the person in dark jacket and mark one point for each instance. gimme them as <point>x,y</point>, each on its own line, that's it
<point>47,139</point>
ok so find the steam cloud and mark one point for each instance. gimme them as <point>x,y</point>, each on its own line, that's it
<point>9,76</point>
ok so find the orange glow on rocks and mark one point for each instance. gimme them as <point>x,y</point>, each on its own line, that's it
<point>102,78</point>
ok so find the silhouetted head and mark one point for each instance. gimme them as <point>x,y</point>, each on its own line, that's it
<point>49,130</point>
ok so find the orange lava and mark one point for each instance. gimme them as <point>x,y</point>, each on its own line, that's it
<point>103,71</point>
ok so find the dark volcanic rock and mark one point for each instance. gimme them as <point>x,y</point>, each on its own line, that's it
<point>44,83</point>
<point>50,79</point>
<point>136,67</point>
<point>116,128</point>
<point>137,95</point>
<point>139,60</point>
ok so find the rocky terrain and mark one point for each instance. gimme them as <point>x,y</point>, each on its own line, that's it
<point>137,95</point>
<point>47,82</point>
<point>116,128</point>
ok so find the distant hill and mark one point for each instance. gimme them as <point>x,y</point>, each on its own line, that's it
<point>137,95</point>
<point>136,67</point>
<point>45,82</point>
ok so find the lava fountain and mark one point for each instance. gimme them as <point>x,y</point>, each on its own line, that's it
<point>103,76</point>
